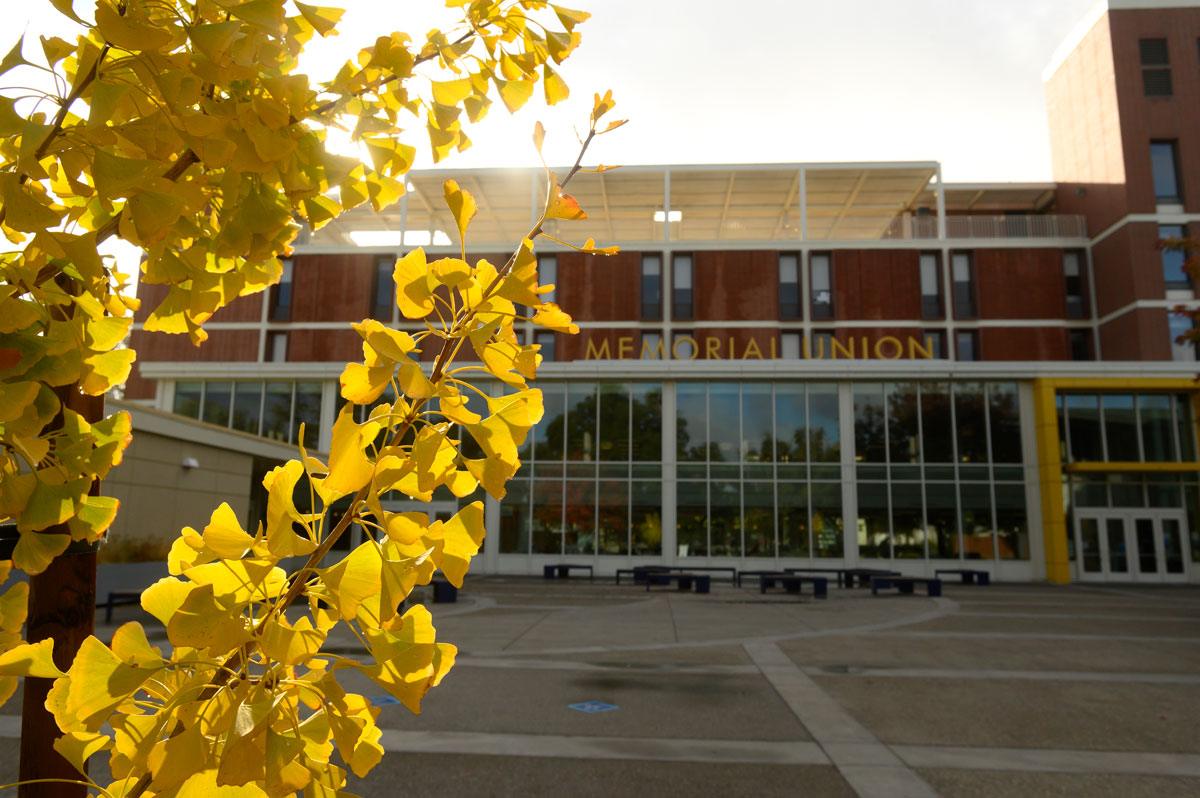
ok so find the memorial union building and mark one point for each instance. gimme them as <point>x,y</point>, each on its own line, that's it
<point>807,363</point>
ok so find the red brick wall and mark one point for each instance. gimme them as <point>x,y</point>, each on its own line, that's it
<point>1024,343</point>
<point>1020,284</point>
<point>599,288</point>
<point>877,284</point>
<point>1142,334</point>
<point>735,285</point>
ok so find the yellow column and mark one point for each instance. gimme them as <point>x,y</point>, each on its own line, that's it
<point>1050,477</point>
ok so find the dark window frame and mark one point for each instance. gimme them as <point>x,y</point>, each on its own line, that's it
<point>1076,304</point>
<point>651,310</point>
<point>973,336</point>
<point>383,298</point>
<point>1164,253</point>
<point>965,299</point>
<point>1177,197</point>
<point>1154,56</point>
<point>932,305</point>
<point>790,302</point>
<point>279,301</point>
<point>822,308</point>
<point>683,300</point>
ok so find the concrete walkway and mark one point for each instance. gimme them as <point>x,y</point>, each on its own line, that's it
<point>1008,690</point>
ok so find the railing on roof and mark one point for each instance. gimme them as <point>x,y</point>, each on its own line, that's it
<point>1023,226</point>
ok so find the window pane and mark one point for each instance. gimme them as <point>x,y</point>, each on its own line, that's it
<point>1162,164</point>
<point>581,421</point>
<point>613,522</point>
<point>549,432</point>
<point>824,432</point>
<point>647,421</point>
<point>384,288</point>
<point>281,294</point>
<point>1004,415</point>
<point>647,517</point>
<point>789,422</point>
<point>793,519</point>
<point>514,518</point>
<point>547,341</point>
<point>614,421</point>
<point>970,419</point>
<point>1120,428</point>
<point>691,422</point>
<point>869,438</point>
<point>247,406</point>
<point>757,442</point>
<point>724,436</point>
<point>217,396</point>
<point>277,410</point>
<point>1173,259</point>
<point>651,287</point>
<point>931,294</point>
<point>941,512</point>
<point>1183,417</point>
<point>1012,523</point>
<point>966,344</point>
<point>759,514</point>
<point>827,522</point>
<point>547,517</point>
<point>822,286</point>
<point>937,428</point>
<point>682,298</point>
<point>964,289</point>
<point>789,287</point>
<point>1083,423</point>
<point>725,519</point>
<point>308,413</point>
<point>873,518</point>
<point>789,346</point>
<point>908,528</point>
<point>904,440</point>
<point>579,534</point>
<point>692,513</point>
<point>187,398</point>
<point>977,521</point>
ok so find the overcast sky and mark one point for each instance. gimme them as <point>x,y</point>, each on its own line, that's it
<point>748,81</point>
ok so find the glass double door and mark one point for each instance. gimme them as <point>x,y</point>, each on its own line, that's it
<point>1131,545</point>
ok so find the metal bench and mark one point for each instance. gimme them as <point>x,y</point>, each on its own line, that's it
<point>970,576</point>
<point>638,572</point>
<point>839,573</point>
<point>864,575</point>
<point>563,570</point>
<point>120,597</point>
<point>685,580</point>
<point>793,583</point>
<point>742,574</point>
<point>906,584</point>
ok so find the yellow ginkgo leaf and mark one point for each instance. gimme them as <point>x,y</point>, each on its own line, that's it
<point>551,317</point>
<point>224,535</point>
<point>414,285</point>
<point>462,206</point>
<point>77,747</point>
<point>349,466</point>
<point>164,598</point>
<point>463,535</point>
<point>362,385</point>
<point>31,659</point>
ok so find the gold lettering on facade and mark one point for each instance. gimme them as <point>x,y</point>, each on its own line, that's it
<point>773,355</point>
<point>690,340</point>
<point>592,353</point>
<point>886,348</point>
<point>897,348</point>
<point>712,348</point>
<point>914,347</point>
<point>656,353</point>
<point>752,350</point>
<point>624,347</point>
<point>836,346</point>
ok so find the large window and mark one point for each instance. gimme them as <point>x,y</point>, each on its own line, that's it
<point>1156,67</point>
<point>1073,284</point>
<point>592,479</point>
<point>821,283</point>
<point>1173,260</point>
<point>758,471</point>
<point>962,269</point>
<point>383,288</point>
<point>939,471</point>
<point>651,287</point>
<point>280,298</point>
<point>789,286</point>
<point>931,286</point>
<point>1164,166</point>
<point>681,277</point>
<point>273,410</point>
<point>1123,427</point>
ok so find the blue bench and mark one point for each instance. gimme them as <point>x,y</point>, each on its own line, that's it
<point>970,576</point>
<point>906,584</point>
<point>563,570</point>
<point>793,583</point>
<point>839,573</point>
<point>702,582</point>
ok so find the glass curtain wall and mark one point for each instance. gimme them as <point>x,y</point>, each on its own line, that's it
<point>274,410</point>
<point>758,469</point>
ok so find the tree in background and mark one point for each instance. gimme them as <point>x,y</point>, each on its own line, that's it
<point>184,129</point>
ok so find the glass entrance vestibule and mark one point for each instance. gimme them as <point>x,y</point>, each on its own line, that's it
<point>1131,545</point>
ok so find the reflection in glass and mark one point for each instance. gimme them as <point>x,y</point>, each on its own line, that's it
<point>970,422</point>
<point>691,421</point>
<point>873,520</point>
<point>977,522</point>
<point>908,532</point>
<point>247,406</point>
<point>941,513</point>
<point>579,530</point>
<point>725,520</point>
<point>869,426</point>
<point>307,411</point>
<point>827,521</point>
<point>514,518</point>
<point>1012,525</point>
<point>1183,417</point>
<point>646,444</point>
<point>1083,425</point>
<point>549,433</point>
<point>1118,561</point>
<point>612,523</point>
<point>757,441</point>
<point>824,432</point>
<point>937,425</point>
<point>1089,541</point>
<point>1004,414</point>
<point>1172,545</point>
<point>692,519</point>
<point>217,396</point>
<point>1126,490</point>
<point>723,435</point>
<point>1120,427</point>
<point>759,518</point>
<point>790,422</point>
<point>793,519</point>
<point>904,439</point>
<point>1147,558</point>
<point>1090,491</point>
<point>187,399</point>
<point>646,518</point>
<point>277,411</point>
<point>1158,438</point>
<point>547,517</point>
<point>613,435</point>
<point>581,420</point>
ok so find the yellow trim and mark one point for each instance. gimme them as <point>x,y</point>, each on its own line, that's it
<point>1161,468</point>
<point>1050,468</point>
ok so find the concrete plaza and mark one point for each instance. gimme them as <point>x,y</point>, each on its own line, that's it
<point>1006,690</point>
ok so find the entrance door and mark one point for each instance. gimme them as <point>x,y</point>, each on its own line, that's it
<point>1131,545</point>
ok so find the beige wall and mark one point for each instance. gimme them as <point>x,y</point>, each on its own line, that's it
<point>159,496</point>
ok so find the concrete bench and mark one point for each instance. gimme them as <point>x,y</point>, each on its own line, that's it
<point>970,576</point>
<point>906,584</point>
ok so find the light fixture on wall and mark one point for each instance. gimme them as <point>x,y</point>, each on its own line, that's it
<point>190,462</point>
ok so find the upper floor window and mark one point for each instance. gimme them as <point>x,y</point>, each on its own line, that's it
<point>682,294</point>
<point>280,301</point>
<point>1172,259</point>
<point>789,346</point>
<point>931,286</point>
<point>963,273</point>
<point>789,287</point>
<point>1156,72</point>
<point>1081,345</point>
<point>384,288</point>
<point>966,345</point>
<point>548,275</point>
<point>1164,165</point>
<point>821,274</point>
<point>546,341</point>
<point>1183,346</point>
<point>652,287</point>
<point>1073,279</point>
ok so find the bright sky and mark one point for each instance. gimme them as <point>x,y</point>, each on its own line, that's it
<point>958,81</point>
